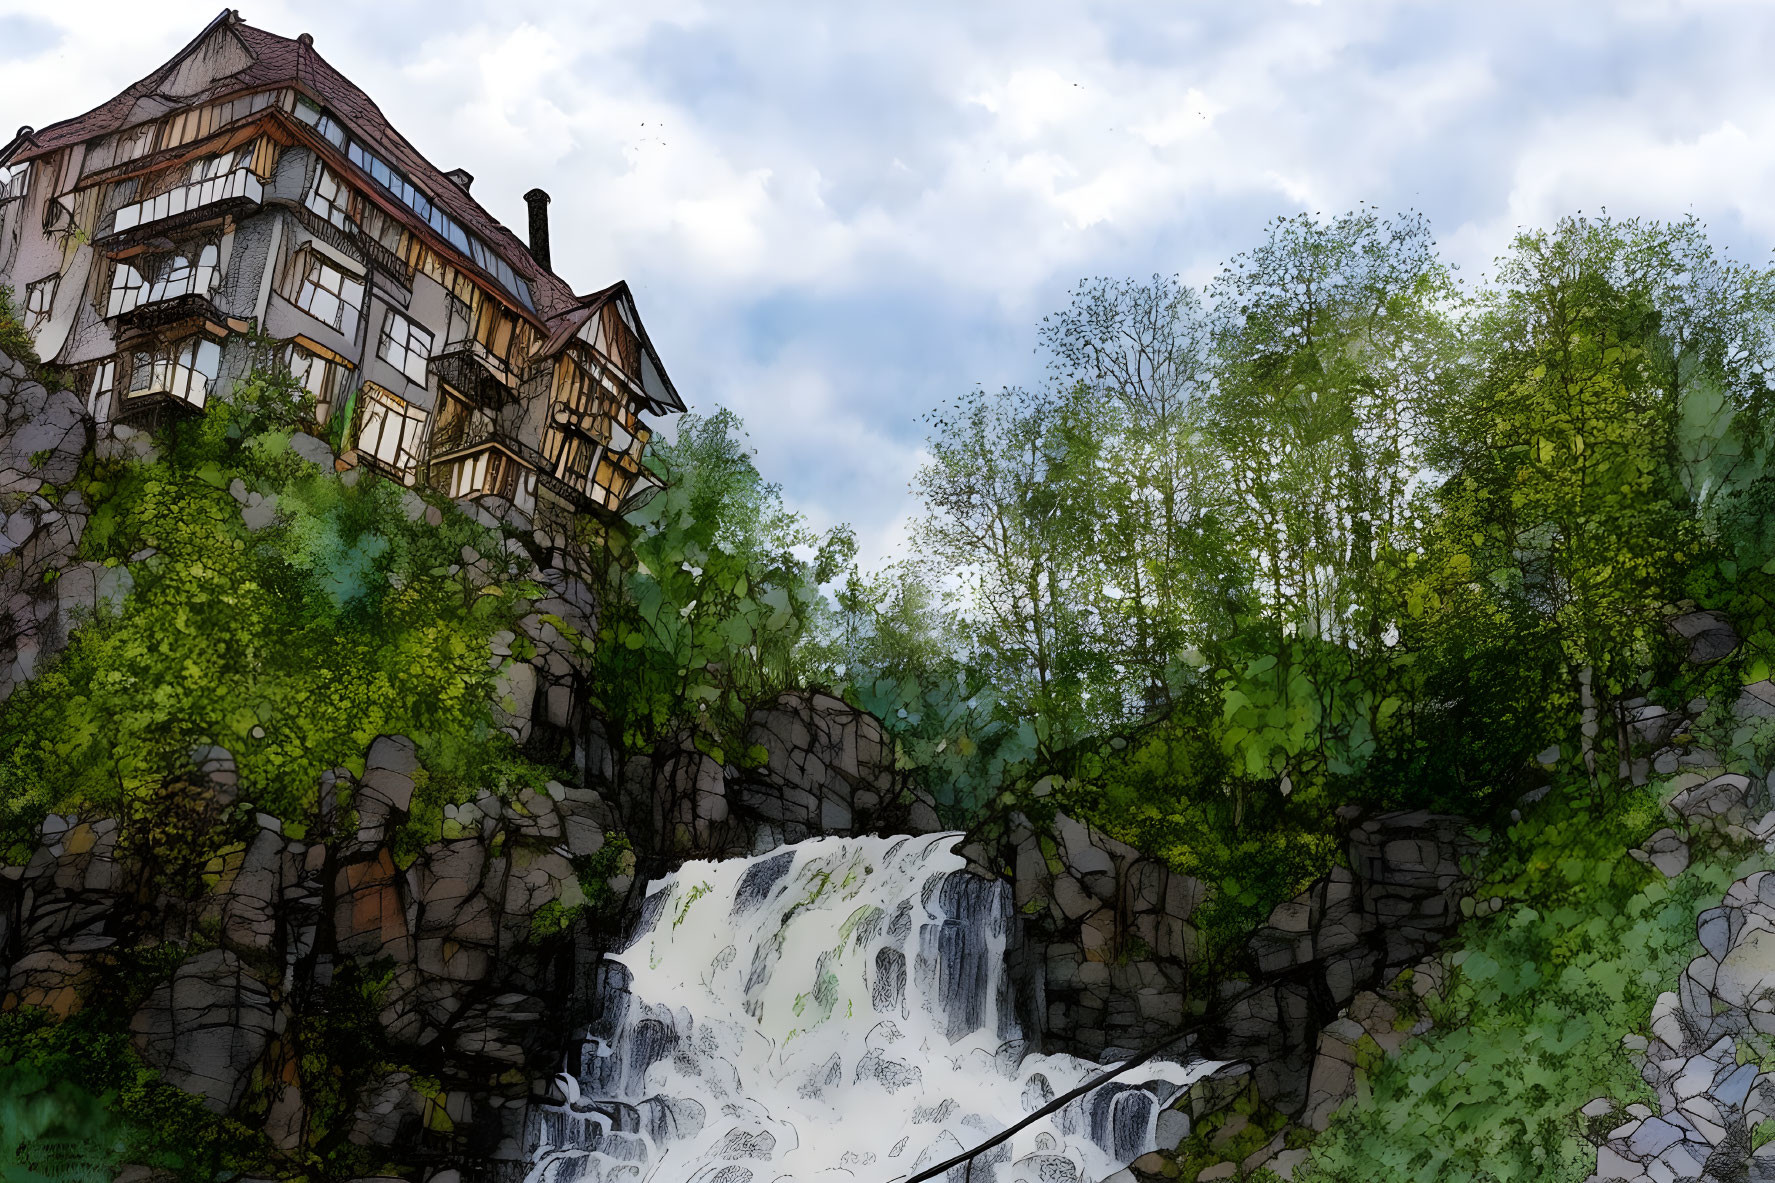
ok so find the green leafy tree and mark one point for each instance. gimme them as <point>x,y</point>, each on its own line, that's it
<point>1010,491</point>
<point>712,601</point>
<point>1566,494</point>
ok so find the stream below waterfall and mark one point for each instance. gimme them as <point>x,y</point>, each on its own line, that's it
<point>838,1009</point>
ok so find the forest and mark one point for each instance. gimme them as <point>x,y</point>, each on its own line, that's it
<point>1341,527</point>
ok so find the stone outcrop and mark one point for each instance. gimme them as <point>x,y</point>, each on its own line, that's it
<point>44,432</point>
<point>826,768</point>
<point>1348,933</point>
<point>283,930</point>
<point>1706,636</point>
<point>439,939</point>
<point>1107,955</point>
<point>1710,1097</point>
<point>1106,945</point>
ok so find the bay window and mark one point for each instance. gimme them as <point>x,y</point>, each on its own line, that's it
<point>391,430</point>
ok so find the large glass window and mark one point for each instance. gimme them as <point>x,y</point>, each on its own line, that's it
<point>405,346</point>
<point>330,198</point>
<point>190,270</point>
<point>327,293</point>
<point>391,430</point>
<point>184,369</point>
<point>322,377</point>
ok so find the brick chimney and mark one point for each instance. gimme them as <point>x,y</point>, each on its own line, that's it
<point>539,227</point>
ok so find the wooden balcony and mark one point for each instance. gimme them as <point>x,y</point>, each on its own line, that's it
<point>238,192</point>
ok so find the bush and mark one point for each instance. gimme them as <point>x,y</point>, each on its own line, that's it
<point>1531,1024</point>
<point>292,646</point>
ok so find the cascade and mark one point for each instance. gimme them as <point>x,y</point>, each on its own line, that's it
<point>836,1010</point>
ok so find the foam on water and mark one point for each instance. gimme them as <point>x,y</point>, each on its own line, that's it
<point>836,1010</point>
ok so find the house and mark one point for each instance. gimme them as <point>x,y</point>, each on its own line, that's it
<point>247,191</point>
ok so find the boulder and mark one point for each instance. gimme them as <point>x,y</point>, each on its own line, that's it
<point>1708,636</point>
<point>206,1027</point>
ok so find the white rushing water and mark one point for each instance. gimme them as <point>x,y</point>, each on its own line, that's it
<point>837,1010</point>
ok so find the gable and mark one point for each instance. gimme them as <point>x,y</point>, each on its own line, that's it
<point>215,57</point>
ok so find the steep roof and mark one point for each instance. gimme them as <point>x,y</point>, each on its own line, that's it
<point>266,60</point>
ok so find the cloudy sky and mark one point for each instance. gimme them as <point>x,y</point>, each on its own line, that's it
<point>835,216</point>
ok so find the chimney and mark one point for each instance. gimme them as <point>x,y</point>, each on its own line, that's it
<point>462,177</point>
<point>539,227</point>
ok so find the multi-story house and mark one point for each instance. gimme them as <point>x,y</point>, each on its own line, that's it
<point>246,190</point>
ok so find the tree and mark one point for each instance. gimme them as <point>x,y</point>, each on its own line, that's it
<point>1142,349</point>
<point>1009,492</point>
<point>710,604</point>
<point>1330,340</point>
<point>1566,491</point>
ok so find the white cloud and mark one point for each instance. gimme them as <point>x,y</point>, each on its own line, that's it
<point>834,221</point>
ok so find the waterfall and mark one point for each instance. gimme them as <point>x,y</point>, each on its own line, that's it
<point>836,1010</point>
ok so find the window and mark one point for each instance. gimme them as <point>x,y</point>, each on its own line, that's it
<point>570,440</point>
<point>493,328</point>
<point>135,144</point>
<point>98,395</point>
<point>312,115</point>
<point>620,463</point>
<point>405,346</point>
<point>390,429</point>
<point>323,378</point>
<point>327,293</point>
<point>489,472</point>
<point>39,298</point>
<point>184,369</point>
<point>330,198</point>
<point>459,423</point>
<point>391,180</point>
<point>15,180</point>
<point>191,270</point>
<point>206,181</point>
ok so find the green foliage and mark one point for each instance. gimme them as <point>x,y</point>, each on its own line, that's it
<point>54,1130</point>
<point>292,646</point>
<point>595,871</point>
<point>14,341</point>
<point>1530,1026</point>
<point>341,1049</point>
<point>711,599</point>
<point>93,1102</point>
<point>1229,1134</point>
<point>553,919</point>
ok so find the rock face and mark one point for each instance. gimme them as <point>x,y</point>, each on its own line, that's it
<point>435,943</point>
<point>1708,636</point>
<point>441,946</point>
<point>43,435</point>
<point>827,768</point>
<point>1108,952</point>
<point>1347,934</point>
